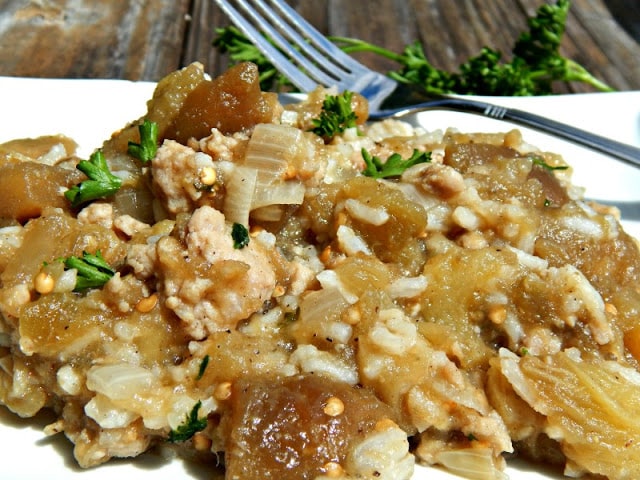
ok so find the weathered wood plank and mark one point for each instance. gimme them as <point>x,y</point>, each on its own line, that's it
<point>610,50</point>
<point>451,32</point>
<point>115,39</point>
<point>137,39</point>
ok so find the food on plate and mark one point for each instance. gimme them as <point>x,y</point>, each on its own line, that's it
<point>294,292</point>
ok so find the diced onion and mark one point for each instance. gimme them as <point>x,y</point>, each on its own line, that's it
<point>260,181</point>
<point>283,193</point>
<point>321,305</point>
<point>384,451</point>
<point>271,148</point>
<point>270,213</point>
<point>240,190</point>
<point>471,463</point>
<point>108,415</point>
<point>119,381</point>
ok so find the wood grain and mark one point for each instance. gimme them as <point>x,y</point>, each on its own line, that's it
<point>146,39</point>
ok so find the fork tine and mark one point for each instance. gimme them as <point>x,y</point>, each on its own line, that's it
<point>286,38</point>
<point>323,47</point>
<point>302,53</point>
<point>291,71</point>
<point>297,44</point>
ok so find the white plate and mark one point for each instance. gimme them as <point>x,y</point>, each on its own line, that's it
<point>89,110</point>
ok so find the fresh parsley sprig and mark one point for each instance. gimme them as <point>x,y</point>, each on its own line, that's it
<point>192,425</point>
<point>93,270</point>
<point>335,117</point>
<point>394,166</point>
<point>101,183</point>
<point>148,146</point>
<point>539,47</point>
<point>535,64</point>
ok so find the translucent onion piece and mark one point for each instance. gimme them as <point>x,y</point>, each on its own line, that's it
<point>240,190</point>
<point>320,319</point>
<point>322,306</point>
<point>271,148</point>
<point>475,463</point>
<point>107,414</point>
<point>119,381</point>
<point>283,193</point>
<point>592,409</point>
<point>270,213</point>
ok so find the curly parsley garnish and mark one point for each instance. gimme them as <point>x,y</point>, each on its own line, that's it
<point>93,270</point>
<point>192,425</point>
<point>240,236</point>
<point>101,183</point>
<point>394,166</point>
<point>148,146</point>
<point>336,116</point>
<point>535,63</point>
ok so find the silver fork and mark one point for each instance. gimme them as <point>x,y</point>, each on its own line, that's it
<point>308,59</point>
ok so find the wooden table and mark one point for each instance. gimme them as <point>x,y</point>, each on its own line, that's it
<point>144,40</point>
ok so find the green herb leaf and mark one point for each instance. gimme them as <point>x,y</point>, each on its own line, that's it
<point>535,64</point>
<point>192,425</point>
<point>93,270</point>
<point>203,367</point>
<point>394,166</point>
<point>101,183</point>
<point>541,163</point>
<point>148,146</point>
<point>539,49</point>
<point>240,236</point>
<point>335,117</point>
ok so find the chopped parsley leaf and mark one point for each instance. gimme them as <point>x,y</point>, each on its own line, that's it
<point>541,163</point>
<point>394,166</point>
<point>203,367</point>
<point>101,183</point>
<point>192,425</point>
<point>93,270</point>
<point>240,236</point>
<point>148,146</point>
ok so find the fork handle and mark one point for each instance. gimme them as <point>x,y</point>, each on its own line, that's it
<point>621,151</point>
